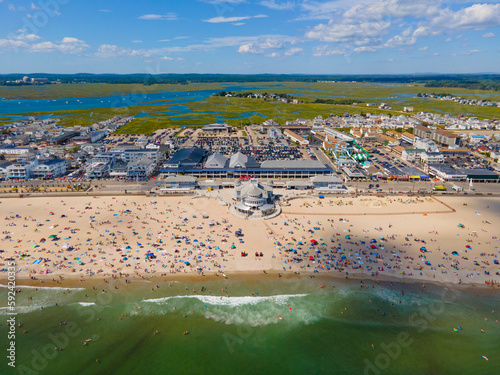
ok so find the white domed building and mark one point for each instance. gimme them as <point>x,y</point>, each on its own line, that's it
<point>254,198</point>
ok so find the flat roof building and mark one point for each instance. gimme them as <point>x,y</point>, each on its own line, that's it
<point>216,128</point>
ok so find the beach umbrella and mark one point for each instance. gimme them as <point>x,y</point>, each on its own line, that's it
<point>187,263</point>
<point>53,236</point>
<point>311,257</point>
<point>454,253</point>
<point>373,246</point>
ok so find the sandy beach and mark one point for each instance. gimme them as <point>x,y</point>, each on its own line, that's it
<point>450,240</point>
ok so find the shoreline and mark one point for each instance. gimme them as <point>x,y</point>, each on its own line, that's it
<point>328,280</point>
<point>168,227</point>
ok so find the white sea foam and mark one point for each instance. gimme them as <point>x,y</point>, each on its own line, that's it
<point>86,303</point>
<point>231,301</point>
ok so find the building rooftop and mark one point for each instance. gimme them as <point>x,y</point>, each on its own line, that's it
<point>216,161</point>
<point>292,164</point>
<point>186,156</point>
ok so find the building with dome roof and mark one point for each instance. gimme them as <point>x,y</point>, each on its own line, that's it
<point>254,198</point>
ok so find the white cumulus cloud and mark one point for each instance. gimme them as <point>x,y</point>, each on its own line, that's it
<point>113,51</point>
<point>159,17</point>
<point>232,19</point>
<point>294,51</point>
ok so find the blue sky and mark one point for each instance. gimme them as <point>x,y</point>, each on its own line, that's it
<point>250,36</point>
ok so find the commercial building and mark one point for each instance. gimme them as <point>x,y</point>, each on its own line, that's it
<point>20,170</point>
<point>51,168</point>
<point>185,158</point>
<point>141,169</point>
<point>422,131</point>
<point>445,172</point>
<point>426,144</point>
<point>294,137</point>
<point>89,138</point>
<point>180,183</point>
<point>216,161</point>
<point>134,154</point>
<point>328,184</point>
<point>445,137</point>
<point>409,138</point>
<point>481,175</point>
<point>243,161</point>
<point>254,197</point>
<point>274,132</point>
<point>432,157</point>
<point>216,128</point>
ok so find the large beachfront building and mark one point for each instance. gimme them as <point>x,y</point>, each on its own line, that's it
<point>192,161</point>
<point>254,198</point>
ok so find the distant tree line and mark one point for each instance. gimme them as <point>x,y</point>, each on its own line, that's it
<point>474,81</point>
<point>487,84</point>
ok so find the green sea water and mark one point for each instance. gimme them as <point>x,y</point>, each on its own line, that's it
<point>235,327</point>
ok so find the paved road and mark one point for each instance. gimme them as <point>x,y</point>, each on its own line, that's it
<point>322,157</point>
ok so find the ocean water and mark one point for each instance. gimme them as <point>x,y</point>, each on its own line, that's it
<point>254,325</point>
<point>20,106</point>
